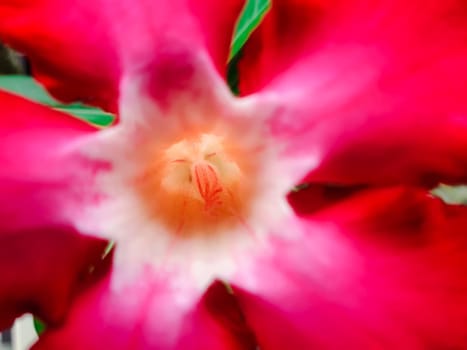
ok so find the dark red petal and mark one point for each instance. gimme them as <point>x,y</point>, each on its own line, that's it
<point>375,91</point>
<point>41,269</point>
<point>279,42</point>
<point>217,20</point>
<point>384,269</point>
<point>313,197</point>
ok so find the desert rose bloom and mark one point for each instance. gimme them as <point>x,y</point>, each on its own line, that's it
<point>193,184</point>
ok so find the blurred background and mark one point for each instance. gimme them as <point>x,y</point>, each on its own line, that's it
<point>5,343</point>
<point>12,62</point>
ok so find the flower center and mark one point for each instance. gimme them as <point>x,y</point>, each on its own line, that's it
<point>198,185</point>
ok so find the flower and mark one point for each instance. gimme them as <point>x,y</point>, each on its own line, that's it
<point>193,184</point>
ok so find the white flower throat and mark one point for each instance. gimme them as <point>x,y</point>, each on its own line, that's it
<point>191,188</point>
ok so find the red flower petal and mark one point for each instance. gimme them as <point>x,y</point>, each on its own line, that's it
<point>150,314</point>
<point>42,180</point>
<point>217,20</point>
<point>376,91</point>
<point>41,269</point>
<point>78,47</point>
<point>385,269</point>
<point>70,45</point>
<point>40,255</point>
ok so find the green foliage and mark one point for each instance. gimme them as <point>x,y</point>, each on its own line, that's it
<point>232,74</point>
<point>452,194</point>
<point>92,115</point>
<point>39,326</point>
<point>250,18</point>
<point>26,86</point>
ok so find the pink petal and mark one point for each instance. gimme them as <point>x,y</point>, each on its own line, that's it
<point>152,313</point>
<point>40,253</point>
<point>79,55</point>
<point>376,91</point>
<point>382,270</point>
<point>167,26</point>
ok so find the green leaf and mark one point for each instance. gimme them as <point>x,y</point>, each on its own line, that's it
<point>27,87</point>
<point>451,194</point>
<point>91,115</point>
<point>39,326</point>
<point>250,18</point>
<point>232,74</point>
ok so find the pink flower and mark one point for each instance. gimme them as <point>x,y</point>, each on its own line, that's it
<point>192,183</point>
